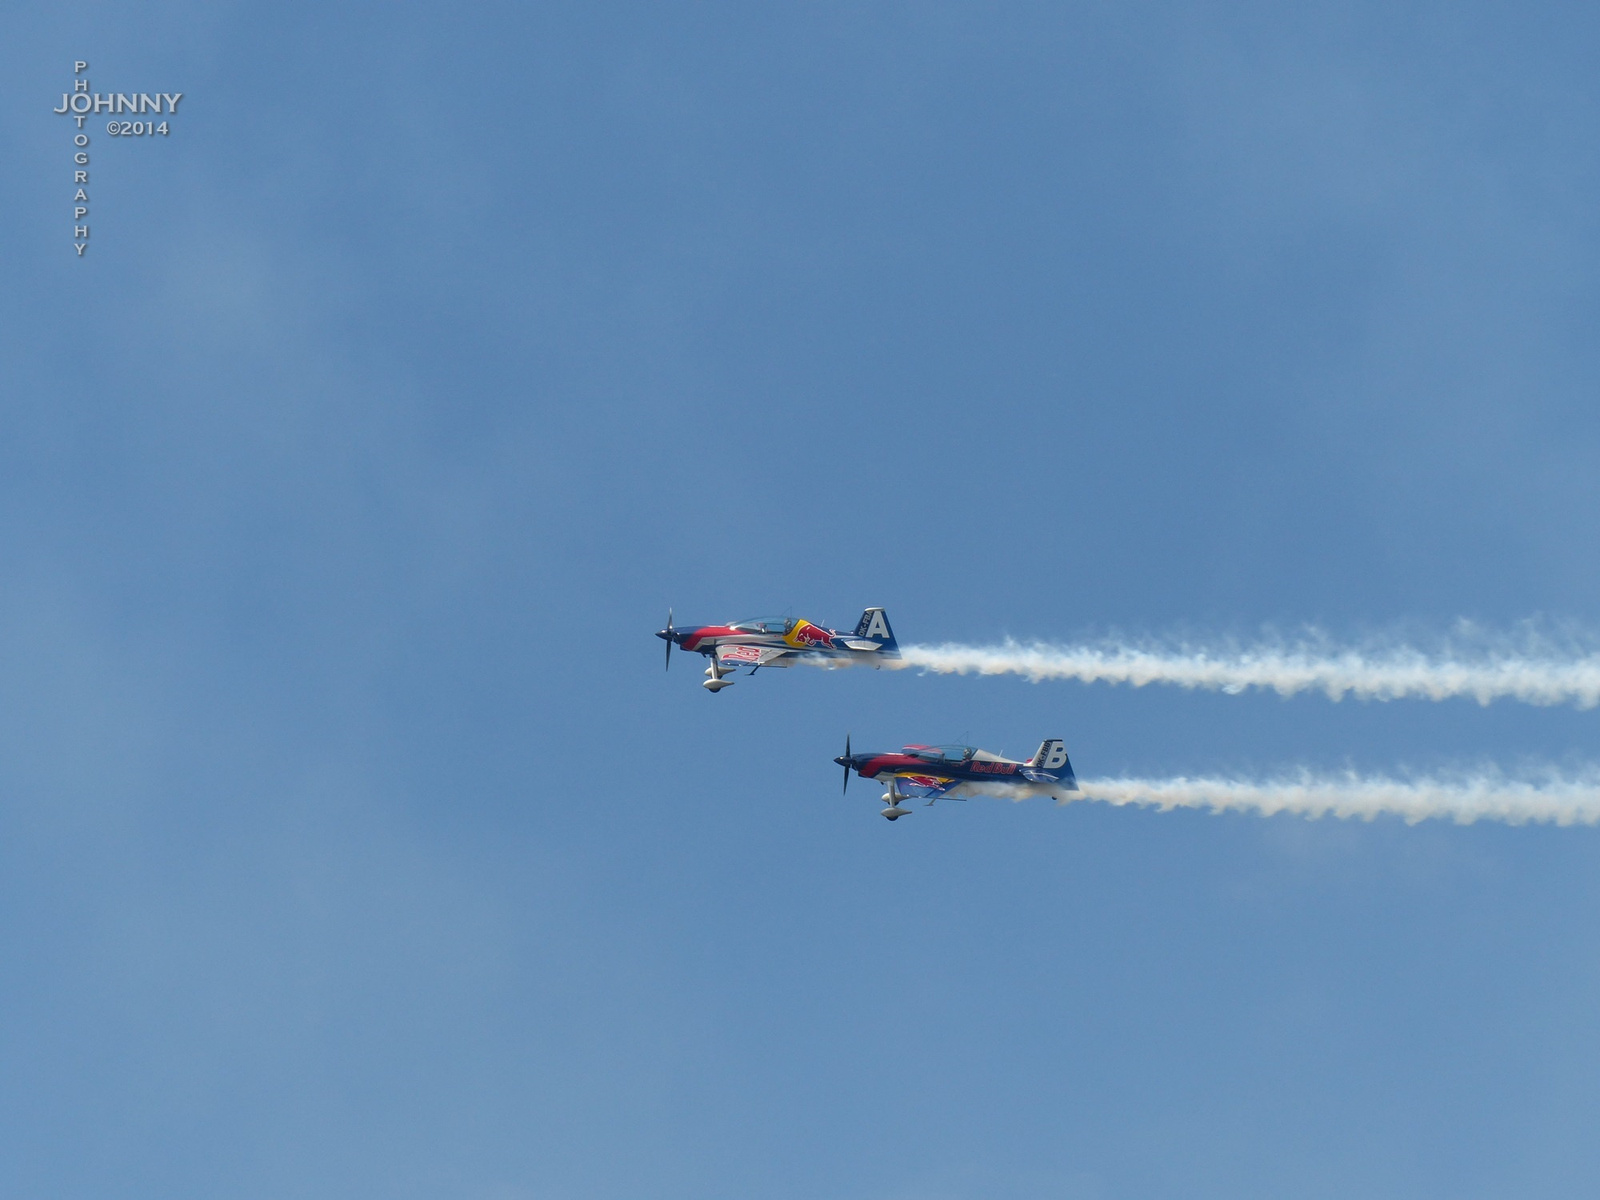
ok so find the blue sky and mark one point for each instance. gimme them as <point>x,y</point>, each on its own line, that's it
<point>352,840</point>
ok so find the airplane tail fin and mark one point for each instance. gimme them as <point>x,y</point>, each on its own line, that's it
<point>1050,763</point>
<point>874,627</point>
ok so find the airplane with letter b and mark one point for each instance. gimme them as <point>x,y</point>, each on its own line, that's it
<point>961,772</point>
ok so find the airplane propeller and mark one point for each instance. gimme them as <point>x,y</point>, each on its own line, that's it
<point>846,761</point>
<point>668,667</point>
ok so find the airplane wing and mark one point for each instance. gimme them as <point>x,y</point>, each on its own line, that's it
<point>850,643</point>
<point>731,655</point>
<point>924,787</point>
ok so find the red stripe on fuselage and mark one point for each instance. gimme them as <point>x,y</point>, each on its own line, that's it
<point>889,762</point>
<point>712,633</point>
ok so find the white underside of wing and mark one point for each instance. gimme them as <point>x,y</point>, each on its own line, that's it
<point>735,655</point>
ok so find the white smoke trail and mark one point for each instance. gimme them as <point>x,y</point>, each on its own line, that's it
<point>1488,796</point>
<point>1533,668</point>
<point>1554,800</point>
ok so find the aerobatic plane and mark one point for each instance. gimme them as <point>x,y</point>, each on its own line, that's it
<point>780,642</point>
<point>960,772</point>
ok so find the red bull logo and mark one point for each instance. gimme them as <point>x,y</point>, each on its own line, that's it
<point>806,636</point>
<point>993,768</point>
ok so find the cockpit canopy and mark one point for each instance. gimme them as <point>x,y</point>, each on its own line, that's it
<point>765,625</point>
<point>950,754</point>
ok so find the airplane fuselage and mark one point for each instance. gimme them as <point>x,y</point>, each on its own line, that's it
<point>781,642</point>
<point>959,772</point>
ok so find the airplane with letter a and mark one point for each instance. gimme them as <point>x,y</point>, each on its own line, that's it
<point>781,642</point>
<point>961,772</point>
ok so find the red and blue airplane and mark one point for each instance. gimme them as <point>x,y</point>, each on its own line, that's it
<point>781,642</point>
<point>961,772</point>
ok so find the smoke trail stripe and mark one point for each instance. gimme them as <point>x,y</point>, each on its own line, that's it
<point>1555,800</point>
<point>1482,674</point>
